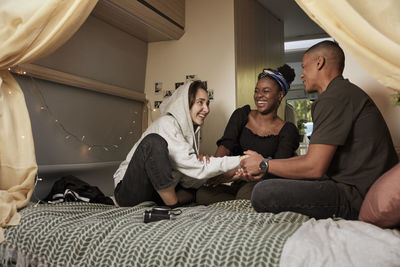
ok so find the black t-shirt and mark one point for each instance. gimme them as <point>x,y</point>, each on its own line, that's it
<point>238,138</point>
<point>345,116</point>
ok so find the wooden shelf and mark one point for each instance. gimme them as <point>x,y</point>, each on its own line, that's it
<point>82,82</point>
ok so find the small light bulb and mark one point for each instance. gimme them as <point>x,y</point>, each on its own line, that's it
<point>120,138</point>
<point>130,132</point>
<point>24,72</point>
<point>9,68</point>
<point>9,92</point>
<point>133,122</point>
<point>106,149</point>
<point>83,137</point>
<point>42,108</point>
<point>90,148</point>
<point>23,136</point>
<point>55,120</point>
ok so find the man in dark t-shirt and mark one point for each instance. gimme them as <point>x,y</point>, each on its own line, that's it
<point>350,147</point>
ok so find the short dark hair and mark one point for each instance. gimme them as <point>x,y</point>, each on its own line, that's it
<point>334,48</point>
<point>194,86</point>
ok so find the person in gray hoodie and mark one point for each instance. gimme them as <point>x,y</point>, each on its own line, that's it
<point>166,155</point>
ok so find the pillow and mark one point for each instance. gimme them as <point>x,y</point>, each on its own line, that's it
<point>381,205</point>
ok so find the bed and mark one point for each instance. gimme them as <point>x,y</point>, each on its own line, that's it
<point>223,234</point>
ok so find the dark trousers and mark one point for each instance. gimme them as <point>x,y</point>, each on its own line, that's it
<point>316,198</point>
<point>149,170</point>
<point>237,190</point>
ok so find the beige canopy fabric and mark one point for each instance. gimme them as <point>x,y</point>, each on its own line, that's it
<point>29,30</point>
<point>368,30</point>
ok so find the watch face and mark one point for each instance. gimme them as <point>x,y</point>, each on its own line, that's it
<point>263,167</point>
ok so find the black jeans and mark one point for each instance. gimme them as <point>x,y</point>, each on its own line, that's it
<point>316,198</point>
<point>149,170</point>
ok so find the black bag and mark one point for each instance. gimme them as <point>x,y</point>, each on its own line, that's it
<point>70,188</point>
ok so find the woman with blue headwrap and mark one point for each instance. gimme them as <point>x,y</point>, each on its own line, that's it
<point>260,130</point>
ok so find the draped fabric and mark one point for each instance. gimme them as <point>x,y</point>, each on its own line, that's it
<point>368,30</point>
<point>29,30</point>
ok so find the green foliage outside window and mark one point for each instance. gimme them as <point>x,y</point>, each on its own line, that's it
<point>303,112</point>
<point>303,109</point>
<point>396,99</point>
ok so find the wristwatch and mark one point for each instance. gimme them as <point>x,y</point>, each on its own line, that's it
<point>264,165</point>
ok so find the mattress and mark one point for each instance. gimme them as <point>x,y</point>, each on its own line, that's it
<point>83,234</point>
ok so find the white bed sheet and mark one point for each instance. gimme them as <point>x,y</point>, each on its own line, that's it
<point>341,243</point>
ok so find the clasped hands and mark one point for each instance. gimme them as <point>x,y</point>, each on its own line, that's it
<point>250,166</point>
<point>249,171</point>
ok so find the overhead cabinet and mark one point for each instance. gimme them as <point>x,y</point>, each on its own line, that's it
<point>148,20</point>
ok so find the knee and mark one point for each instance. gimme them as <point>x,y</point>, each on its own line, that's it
<point>267,196</point>
<point>154,143</point>
<point>155,139</point>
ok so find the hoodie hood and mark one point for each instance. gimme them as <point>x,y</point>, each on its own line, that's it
<point>177,105</point>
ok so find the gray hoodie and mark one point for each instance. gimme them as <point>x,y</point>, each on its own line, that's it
<point>176,127</point>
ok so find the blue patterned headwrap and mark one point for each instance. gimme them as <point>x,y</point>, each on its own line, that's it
<point>277,76</point>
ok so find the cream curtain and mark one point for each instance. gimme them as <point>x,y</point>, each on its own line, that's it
<point>29,29</point>
<point>369,30</point>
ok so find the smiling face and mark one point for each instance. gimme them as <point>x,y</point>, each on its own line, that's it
<point>267,95</point>
<point>200,107</point>
<point>309,76</point>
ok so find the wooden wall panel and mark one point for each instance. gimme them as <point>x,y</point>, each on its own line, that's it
<point>275,39</point>
<point>258,45</point>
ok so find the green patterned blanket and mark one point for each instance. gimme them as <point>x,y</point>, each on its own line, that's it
<point>80,234</point>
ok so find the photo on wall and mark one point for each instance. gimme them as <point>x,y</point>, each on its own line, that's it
<point>158,87</point>
<point>167,93</point>
<point>210,94</point>
<point>190,77</point>
<point>157,104</point>
<point>177,84</point>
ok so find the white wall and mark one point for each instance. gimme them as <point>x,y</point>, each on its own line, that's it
<point>104,53</point>
<point>379,93</point>
<point>206,50</point>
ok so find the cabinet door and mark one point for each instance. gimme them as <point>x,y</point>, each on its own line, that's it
<point>173,9</point>
<point>148,20</point>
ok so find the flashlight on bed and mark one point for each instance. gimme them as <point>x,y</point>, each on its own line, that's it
<point>159,213</point>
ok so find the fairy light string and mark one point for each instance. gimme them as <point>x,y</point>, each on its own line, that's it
<point>69,135</point>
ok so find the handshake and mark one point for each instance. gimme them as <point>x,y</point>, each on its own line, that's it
<point>253,168</point>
